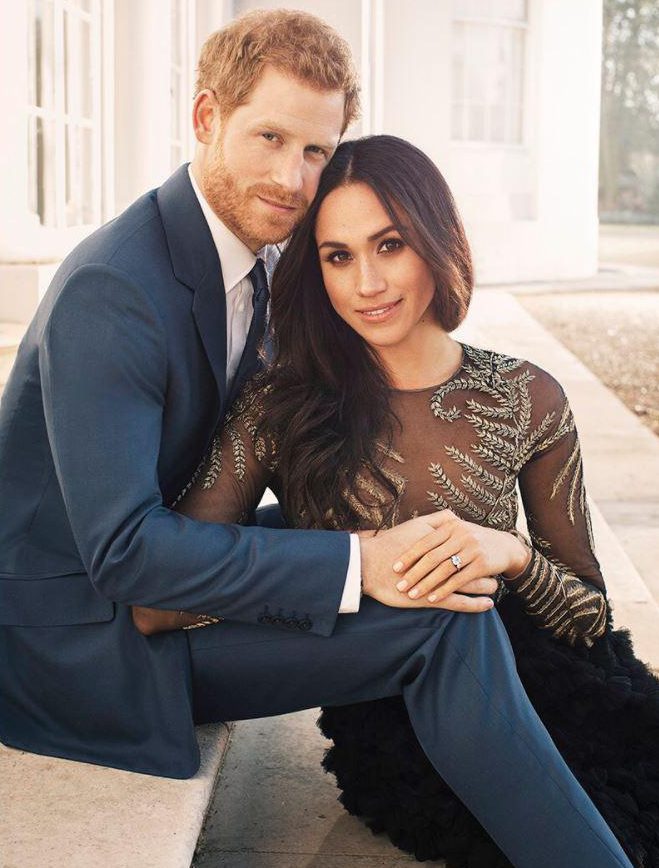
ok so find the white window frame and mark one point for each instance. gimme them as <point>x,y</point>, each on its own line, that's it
<point>519,25</point>
<point>54,231</point>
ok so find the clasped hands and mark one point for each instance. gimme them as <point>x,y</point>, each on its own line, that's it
<point>425,575</point>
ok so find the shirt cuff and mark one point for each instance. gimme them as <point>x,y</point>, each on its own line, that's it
<point>352,590</point>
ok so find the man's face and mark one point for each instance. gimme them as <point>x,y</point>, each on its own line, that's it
<point>262,167</point>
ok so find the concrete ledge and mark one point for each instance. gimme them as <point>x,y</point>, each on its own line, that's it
<point>60,813</point>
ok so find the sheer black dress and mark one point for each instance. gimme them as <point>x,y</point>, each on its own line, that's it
<point>498,428</point>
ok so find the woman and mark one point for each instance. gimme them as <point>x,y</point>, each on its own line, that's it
<point>370,414</point>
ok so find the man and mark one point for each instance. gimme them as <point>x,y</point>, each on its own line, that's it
<point>148,330</point>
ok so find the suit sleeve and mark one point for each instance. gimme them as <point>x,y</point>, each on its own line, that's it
<point>104,365</point>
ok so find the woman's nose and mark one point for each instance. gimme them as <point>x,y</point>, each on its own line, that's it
<point>371,280</point>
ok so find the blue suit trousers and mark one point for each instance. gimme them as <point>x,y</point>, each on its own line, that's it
<point>457,675</point>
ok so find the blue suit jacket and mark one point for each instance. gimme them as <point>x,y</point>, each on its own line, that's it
<point>117,388</point>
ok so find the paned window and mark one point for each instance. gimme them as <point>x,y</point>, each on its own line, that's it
<point>64,112</point>
<point>488,68</point>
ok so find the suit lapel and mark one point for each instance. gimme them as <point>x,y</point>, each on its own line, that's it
<point>196,264</point>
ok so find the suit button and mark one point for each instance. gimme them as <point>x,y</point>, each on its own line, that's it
<point>304,624</point>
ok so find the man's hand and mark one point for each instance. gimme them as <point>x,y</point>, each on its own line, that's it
<point>380,552</point>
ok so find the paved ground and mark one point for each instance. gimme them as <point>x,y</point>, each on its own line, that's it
<point>633,245</point>
<point>616,335</point>
<point>275,807</point>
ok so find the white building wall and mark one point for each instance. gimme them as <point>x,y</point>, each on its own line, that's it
<point>530,208</point>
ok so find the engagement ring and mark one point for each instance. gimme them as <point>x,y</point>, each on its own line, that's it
<point>456,561</point>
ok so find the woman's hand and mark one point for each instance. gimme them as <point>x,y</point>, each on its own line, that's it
<point>379,551</point>
<point>427,569</point>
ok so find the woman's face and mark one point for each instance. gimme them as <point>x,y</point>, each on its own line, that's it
<point>374,280</point>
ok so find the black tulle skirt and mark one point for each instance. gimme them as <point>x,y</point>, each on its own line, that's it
<point>601,707</point>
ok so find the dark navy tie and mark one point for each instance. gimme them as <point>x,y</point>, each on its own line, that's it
<point>260,298</point>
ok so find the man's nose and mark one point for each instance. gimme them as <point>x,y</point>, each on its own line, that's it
<point>287,171</point>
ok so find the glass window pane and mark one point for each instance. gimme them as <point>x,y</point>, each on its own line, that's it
<point>457,79</point>
<point>87,180</point>
<point>497,115</point>
<point>457,121</point>
<point>86,69</point>
<point>41,53</point>
<point>516,124</point>
<point>175,91</point>
<point>514,9</point>
<point>176,22</point>
<point>78,67</point>
<point>41,153</point>
<point>80,191</point>
<point>69,48</point>
<point>472,8</point>
<point>476,123</point>
<point>72,174</point>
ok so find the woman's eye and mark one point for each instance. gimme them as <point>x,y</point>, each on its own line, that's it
<point>339,256</point>
<point>391,244</point>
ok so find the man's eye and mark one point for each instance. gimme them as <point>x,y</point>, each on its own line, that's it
<point>270,137</point>
<point>316,150</point>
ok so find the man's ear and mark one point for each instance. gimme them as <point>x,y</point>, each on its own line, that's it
<point>205,116</point>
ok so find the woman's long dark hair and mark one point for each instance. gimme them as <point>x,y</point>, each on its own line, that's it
<point>329,405</point>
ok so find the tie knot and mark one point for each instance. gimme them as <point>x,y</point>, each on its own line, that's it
<point>259,280</point>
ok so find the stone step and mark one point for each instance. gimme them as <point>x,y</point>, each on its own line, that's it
<point>59,813</point>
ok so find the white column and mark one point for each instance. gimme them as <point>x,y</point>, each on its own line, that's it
<point>142,97</point>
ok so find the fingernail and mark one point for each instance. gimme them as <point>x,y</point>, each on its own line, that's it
<point>432,598</point>
<point>413,593</point>
<point>490,604</point>
<point>401,585</point>
<point>398,566</point>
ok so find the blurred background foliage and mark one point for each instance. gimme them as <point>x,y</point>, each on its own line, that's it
<point>629,136</point>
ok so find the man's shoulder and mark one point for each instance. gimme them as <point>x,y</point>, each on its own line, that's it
<point>135,233</point>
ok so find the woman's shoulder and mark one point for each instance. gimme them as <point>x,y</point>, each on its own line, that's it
<point>500,367</point>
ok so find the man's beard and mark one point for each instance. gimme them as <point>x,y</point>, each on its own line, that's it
<point>234,205</point>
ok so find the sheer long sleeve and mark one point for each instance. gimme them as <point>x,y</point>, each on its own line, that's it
<point>562,586</point>
<point>230,481</point>
<point>226,487</point>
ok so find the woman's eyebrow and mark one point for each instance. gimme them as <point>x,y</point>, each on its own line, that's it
<point>374,237</point>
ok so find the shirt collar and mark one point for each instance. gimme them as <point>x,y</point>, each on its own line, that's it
<point>236,259</point>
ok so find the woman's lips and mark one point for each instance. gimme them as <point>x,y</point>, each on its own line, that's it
<point>382,313</point>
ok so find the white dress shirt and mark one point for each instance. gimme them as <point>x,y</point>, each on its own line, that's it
<point>237,260</point>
